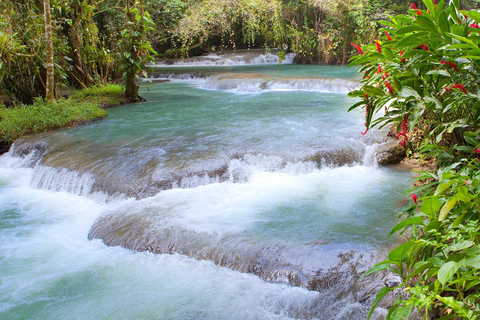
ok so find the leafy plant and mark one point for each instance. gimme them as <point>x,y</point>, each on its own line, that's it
<point>421,76</point>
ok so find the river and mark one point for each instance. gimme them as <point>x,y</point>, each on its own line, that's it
<point>237,191</point>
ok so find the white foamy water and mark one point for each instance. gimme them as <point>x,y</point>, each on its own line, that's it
<point>53,179</point>
<point>50,270</point>
<point>258,85</point>
<point>241,58</point>
<point>272,187</point>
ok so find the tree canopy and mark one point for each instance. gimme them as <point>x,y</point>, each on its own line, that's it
<point>98,41</point>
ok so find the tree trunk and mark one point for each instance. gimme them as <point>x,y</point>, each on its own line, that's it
<point>131,88</point>
<point>49,86</point>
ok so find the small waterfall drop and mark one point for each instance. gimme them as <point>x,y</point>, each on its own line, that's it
<point>54,179</point>
<point>238,58</point>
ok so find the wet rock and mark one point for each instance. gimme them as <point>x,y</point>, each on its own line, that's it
<point>390,152</point>
<point>393,281</point>
<point>4,147</point>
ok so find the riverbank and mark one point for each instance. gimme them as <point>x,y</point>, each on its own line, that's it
<point>81,107</point>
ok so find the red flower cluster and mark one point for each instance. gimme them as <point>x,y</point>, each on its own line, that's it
<point>389,87</point>
<point>474,25</point>
<point>451,64</point>
<point>379,47</point>
<point>402,59</point>
<point>458,86</point>
<point>366,114</point>
<point>404,130</point>
<point>358,47</point>
<point>424,47</point>
<point>388,36</point>
<point>379,69</point>
<point>415,8</point>
<point>366,130</point>
<point>476,150</point>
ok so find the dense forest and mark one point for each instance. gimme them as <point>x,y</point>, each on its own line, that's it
<point>100,41</point>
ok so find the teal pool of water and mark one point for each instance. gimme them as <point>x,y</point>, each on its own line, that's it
<point>272,192</point>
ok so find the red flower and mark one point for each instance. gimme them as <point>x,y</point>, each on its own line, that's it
<point>415,8</point>
<point>379,47</point>
<point>379,69</point>
<point>474,25</point>
<point>358,47</point>
<point>460,87</point>
<point>404,130</point>
<point>388,37</point>
<point>389,87</point>
<point>414,198</point>
<point>402,59</point>
<point>366,128</point>
<point>476,150</point>
<point>451,64</point>
<point>424,47</point>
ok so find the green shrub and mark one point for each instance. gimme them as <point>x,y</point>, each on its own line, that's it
<point>422,76</point>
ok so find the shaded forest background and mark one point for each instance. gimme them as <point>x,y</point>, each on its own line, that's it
<point>100,41</point>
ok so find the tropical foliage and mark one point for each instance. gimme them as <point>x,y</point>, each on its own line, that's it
<point>97,41</point>
<point>422,76</point>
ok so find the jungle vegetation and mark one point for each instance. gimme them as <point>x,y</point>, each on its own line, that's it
<point>422,76</point>
<point>92,42</point>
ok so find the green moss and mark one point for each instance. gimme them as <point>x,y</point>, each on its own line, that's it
<point>82,106</point>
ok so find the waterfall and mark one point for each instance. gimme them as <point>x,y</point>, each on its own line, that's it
<point>203,203</point>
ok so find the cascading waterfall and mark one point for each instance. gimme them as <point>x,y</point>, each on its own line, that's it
<point>231,206</point>
<point>237,58</point>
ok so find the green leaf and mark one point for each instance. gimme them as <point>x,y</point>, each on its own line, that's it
<point>427,22</point>
<point>475,15</point>
<point>379,297</point>
<point>384,265</point>
<point>473,262</point>
<point>463,39</point>
<point>412,40</point>
<point>462,194</point>
<point>402,312</point>
<point>443,186</point>
<point>442,22</point>
<point>431,206</point>
<point>446,209</point>
<point>447,271</point>
<point>373,91</point>
<point>408,222</point>
<point>356,105</point>
<point>459,307</point>
<point>460,246</point>
<point>436,261</point>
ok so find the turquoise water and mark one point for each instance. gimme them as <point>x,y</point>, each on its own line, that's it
<point>257,178</point>
<point>291,70</point>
